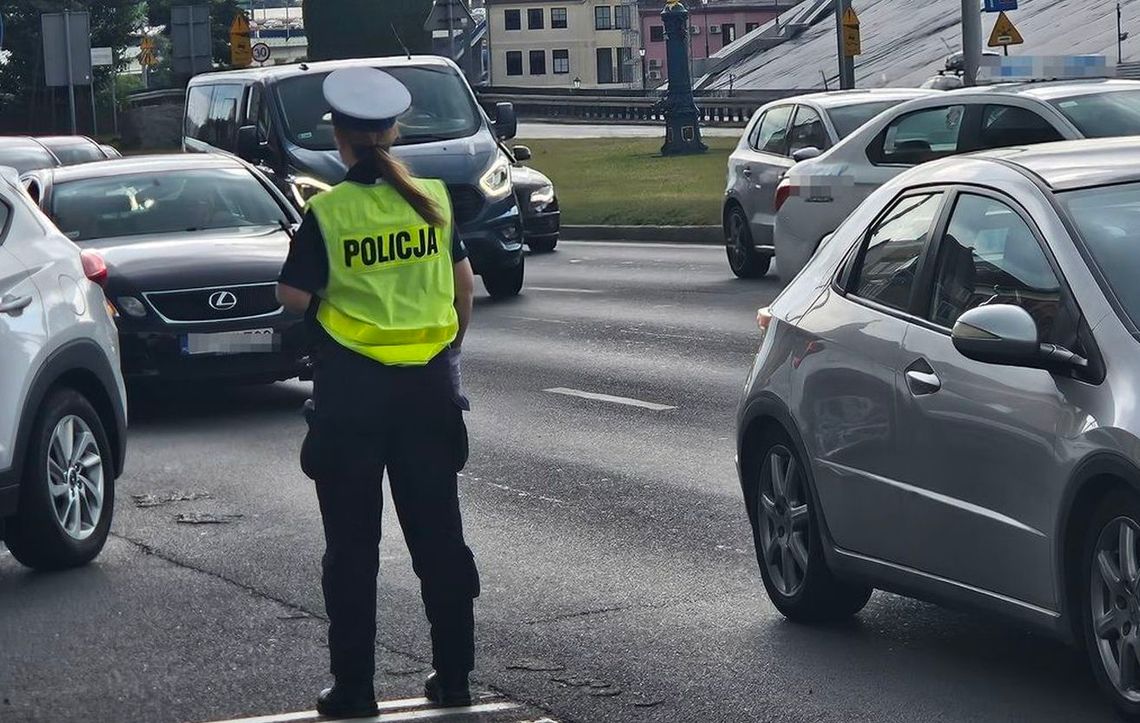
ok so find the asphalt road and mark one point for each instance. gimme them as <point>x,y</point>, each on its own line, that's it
<point>619,581</point>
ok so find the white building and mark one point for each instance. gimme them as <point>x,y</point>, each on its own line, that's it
<point>564,43</point>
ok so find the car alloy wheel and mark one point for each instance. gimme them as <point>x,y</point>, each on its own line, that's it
<point>1115,605</point>
<point>75,477</point>
<point>782,513</point>
<point>738,237</point>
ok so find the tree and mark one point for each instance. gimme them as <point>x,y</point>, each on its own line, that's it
<point>364,28</point>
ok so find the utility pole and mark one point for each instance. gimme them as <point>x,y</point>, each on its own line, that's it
<point>971,41</point>
<point>70,75</point>
<point>706,14</point>
<point>1121,36</point>
<point>846,62</point>
<point>450,30</point>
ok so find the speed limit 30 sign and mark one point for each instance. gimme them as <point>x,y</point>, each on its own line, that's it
<point>261,52</point>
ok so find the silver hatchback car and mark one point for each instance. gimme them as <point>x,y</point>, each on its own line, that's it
<point>945,402</point>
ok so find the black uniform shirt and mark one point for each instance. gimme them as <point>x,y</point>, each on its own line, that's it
<point>307,266</point>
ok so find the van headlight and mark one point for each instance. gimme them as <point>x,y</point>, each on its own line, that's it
<point>542,197</point>
<point>305,187</point>
<point>496,182</point>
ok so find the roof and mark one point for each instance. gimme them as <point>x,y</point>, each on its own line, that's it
<point>1076,164</point>
<point>324,66</point>
<point>841,98</point>
<point>1054,89</point>
<point>19,141</point>
<point>144,164</point>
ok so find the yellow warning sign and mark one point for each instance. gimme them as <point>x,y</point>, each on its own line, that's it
<point>852,39</point>
<point>241,53</point>
<point>147,56</point>
<point>1004,34</point>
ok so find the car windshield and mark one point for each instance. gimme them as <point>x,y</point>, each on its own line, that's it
<point>1103,115</point>
<point>70,153</point>
<point>31,157</point>
<point>162,202</point>
<point>442,108</point>
<point>1108,219</point>
<point>847,118</point>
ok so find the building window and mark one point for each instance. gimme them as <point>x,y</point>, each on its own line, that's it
<point>605,64</point>
<point>602,19</point>
<point>514,62</point>
<point>535,19</point>
<point>622,17</point>
<point>657,34</point>
<point>558,18</point>
<point>749,27</point>
<point>513,19</point>
<point>625,64</point>
<point>561,61</point>
<point>538,62</point>
<point>727,33</point>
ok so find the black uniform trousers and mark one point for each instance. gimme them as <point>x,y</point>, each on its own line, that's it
<point>368,417</point>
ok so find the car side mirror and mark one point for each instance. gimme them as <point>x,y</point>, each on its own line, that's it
<point>506,122</point>
<point>522,153</point>
<point>1006,334</point>
<point>805,154</point>
<point>249,146</point>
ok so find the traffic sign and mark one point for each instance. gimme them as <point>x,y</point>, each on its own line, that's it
<point>999,6</point>
<point>147,56</point>
<point>102,57</point>
<point>852,40</point>
<point>261,52</point>
<point>1005,34</point>
<point>241,54</point>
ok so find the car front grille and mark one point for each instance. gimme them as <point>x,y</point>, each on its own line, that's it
<point>466,203</point>
<point>194,305</point>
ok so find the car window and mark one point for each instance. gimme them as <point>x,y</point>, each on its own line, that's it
<point>162,203</point>
<point>24,158</point>
<point>1103,115</point>
<point>197,111</point>
<point>807,131</point>
<point>223,116</point>
<point>1007,125</point>
<point>989,255</point>
<point>754,132</point>
<point>70,154</point>
<point>848,118</point>
<point>1108,218</point>
<point>773,134</point>
<point>890,259</point>
<point>922,136</point>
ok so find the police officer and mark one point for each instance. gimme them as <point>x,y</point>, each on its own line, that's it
<point>378,266</point>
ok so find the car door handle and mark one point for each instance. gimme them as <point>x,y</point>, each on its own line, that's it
<point>13,304</point>
<point>747,171</point>
<point>922,383</point>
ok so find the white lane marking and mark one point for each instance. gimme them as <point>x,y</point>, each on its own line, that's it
<point>542,321</point>
<point>523,493</point>
<point>719,248</point>
<point>407,710</point>
<point>609,398</point>
<point>563,290</point>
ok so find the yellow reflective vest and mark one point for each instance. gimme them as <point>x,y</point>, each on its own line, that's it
<point>391,290</point>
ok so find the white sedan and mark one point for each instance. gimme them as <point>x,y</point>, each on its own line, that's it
<point>816,195</point>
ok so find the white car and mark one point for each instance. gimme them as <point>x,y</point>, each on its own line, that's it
<point>815,196</point>
<point>62,399</point>
<point>779,135</point>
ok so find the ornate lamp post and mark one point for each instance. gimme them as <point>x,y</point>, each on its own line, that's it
<point>682,117</point>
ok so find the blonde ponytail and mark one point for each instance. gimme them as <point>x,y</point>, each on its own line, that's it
<point>375,148</point>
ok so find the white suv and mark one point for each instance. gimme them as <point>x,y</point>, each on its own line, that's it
<point>62,400</point>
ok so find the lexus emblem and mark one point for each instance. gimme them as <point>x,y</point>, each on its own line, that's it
<point>223,300</point>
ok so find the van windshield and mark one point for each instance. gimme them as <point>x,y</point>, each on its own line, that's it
<point>442,108</point>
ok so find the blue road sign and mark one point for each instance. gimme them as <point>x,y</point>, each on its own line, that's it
<point>1000,6</point>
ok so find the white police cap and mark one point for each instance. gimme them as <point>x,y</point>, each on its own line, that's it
<point>365,99</point>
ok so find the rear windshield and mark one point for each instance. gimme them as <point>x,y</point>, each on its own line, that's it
<point>1103,115</point>
<point>1108,219</point>
<point>72,153</point>
<point>31,157</point>
<point>847,118</point>
<point>442,107</point>
<point>158,203</point>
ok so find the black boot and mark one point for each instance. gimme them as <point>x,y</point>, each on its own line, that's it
<point>448,691</point>
<point>348,701</point>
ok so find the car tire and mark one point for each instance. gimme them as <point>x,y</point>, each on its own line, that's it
<point>789,545</point>
<point>1118,611</point>
<point>79,498</point>
<point>743,258</point>
<point>542,245</point>
<point>505,283</point>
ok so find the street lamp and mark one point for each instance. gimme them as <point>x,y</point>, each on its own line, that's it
<point>705,3</point>
<point>641,52</point>
<point>577,83</point>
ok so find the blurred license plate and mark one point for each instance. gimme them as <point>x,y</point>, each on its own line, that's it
<point>230,342</point>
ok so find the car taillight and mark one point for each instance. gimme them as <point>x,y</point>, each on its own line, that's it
<point>783,191</point>
<point>763,319</point>
<point>94,267</point>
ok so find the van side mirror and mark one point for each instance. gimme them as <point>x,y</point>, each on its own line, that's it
<point>506,123</point>
<point>1006,334</point>
<point>249,146</point>
<point>522,153</point>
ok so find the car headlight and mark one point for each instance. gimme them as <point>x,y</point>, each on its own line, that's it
<point>542,197</point>
<point>304,188</point>
<point>496,182</point>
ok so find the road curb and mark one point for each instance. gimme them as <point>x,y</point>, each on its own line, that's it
<point>701,235</point>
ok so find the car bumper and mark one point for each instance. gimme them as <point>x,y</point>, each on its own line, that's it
<point>542,224</point>
<point>494,239</point>
<point>159,353</point>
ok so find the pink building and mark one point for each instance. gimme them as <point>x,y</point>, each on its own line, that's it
<point>713,25</point>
